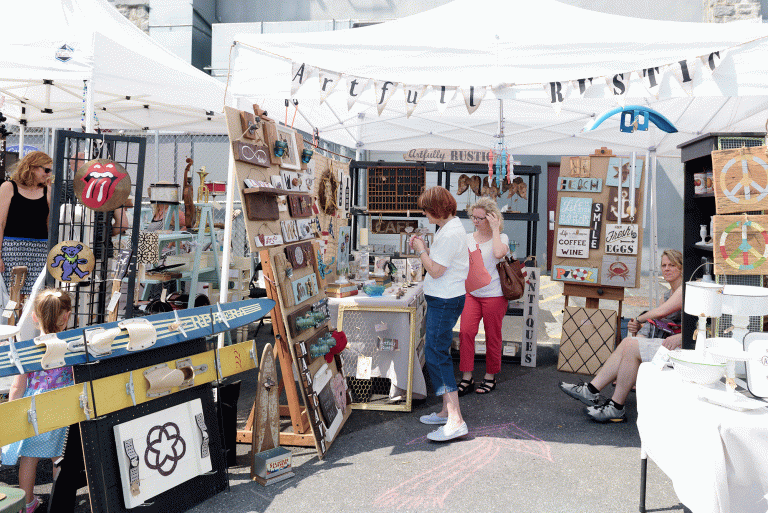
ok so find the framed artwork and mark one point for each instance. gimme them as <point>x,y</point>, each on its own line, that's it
<point>618,271</point>
<point>572,243</point>
<point>290,158</point>
<point>622,239</point>
<point>290,230</point>
<point>342,257</point>
<point>305,229</point>
<point>304,288</point>
<point>277,181</point>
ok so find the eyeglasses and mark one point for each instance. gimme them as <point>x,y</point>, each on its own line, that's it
<point>477,218</point>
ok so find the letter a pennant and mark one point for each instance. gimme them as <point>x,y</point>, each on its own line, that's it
<point>300,73</point>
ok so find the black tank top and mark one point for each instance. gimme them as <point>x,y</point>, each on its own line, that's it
<point>27,219</point>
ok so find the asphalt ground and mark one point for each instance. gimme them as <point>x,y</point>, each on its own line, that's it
<point>530,448</point>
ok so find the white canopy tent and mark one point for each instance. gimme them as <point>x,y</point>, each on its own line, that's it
<point>511,50</point>
<point>48,48</point>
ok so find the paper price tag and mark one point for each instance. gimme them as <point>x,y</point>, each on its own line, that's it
<point>113,301</point>
<point>10,307</point>
<point>364,367</point>
<point>381,326</point>
<point>661,358</point>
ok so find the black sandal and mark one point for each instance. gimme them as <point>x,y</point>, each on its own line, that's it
<point>488,386</point>
<point>465,386</point>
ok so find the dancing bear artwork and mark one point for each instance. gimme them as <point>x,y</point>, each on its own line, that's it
<point>69,260</point>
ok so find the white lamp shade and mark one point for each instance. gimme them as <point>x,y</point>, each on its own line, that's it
<point>745,300</point>
<point>703,299</point>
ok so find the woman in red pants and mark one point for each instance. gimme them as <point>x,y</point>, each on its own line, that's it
<point>486,303</point>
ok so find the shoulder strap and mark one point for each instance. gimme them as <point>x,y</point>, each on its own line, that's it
<point>15,188</point>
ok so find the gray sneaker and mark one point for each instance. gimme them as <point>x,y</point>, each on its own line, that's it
<point>580,392</point>
<point>607,413</point>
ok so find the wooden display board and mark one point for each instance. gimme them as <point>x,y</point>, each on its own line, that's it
<point>741,244</point>
<point>740,178</point>
<point>598,239</point>
<point>589,336</point>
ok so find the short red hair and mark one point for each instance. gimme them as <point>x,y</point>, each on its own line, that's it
<point>438,202</point>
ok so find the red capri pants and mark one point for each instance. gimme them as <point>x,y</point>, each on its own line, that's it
<point>491,310</point>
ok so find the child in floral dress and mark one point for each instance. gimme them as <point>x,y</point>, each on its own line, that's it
<point>51,312</point>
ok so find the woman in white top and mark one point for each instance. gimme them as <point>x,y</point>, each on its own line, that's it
<point>446,263</point>
<point>486,303</point>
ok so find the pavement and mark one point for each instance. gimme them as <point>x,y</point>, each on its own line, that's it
<point>530,448</point>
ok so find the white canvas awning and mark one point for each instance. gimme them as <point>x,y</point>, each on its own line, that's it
<point>48,48</point>
<point>518,52</point>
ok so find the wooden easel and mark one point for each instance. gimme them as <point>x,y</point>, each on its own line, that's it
<point>593,295</point>
<point>301,434</point>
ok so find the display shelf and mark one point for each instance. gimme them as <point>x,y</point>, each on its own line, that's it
<point>273,191</point>
<point>698,209</point>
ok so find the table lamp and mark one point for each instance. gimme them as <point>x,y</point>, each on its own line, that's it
<point>703,299</point>
<point>743,302</point>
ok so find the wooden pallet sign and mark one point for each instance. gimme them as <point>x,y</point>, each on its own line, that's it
<point>740,178</point>
<point>741,244</point>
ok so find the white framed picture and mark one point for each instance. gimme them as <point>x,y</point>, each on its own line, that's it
<point>291,156</point>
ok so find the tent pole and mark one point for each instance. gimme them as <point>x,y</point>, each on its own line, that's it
<point>226,253</point>
<point>157,154</point>
<point>89,115</point>
<point>22,123</point>
<point>654,231</point>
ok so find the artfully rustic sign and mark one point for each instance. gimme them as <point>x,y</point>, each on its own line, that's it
<point>440,155</point>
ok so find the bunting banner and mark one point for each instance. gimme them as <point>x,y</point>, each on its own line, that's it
<point>685,71</point>
<point>328,81</point>
<point>384,91</point>
<point>446,95</point>
<point>413,93</point>
<point>355,87</point>
<point>473,96</point>
<point>301,73</point>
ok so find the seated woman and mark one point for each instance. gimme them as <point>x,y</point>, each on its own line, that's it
<point>623,363</point>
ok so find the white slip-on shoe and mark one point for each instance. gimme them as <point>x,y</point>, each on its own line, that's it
<point>433,419</point>
<point>442,434</point>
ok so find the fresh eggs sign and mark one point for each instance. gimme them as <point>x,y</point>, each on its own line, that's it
<point>621,239</point>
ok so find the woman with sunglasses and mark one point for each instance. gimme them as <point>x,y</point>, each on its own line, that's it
<point>25,203</point>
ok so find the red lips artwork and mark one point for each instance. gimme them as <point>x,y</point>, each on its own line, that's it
<point>102,185</point>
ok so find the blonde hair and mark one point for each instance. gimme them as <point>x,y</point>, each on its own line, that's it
<point>50,305</point>
<point>23,173</point>
<point>490,207</point>
<point>674,256</point>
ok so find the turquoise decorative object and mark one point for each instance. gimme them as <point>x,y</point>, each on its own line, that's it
<point>374,290</point>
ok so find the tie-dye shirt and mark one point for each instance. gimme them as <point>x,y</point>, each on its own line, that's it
<point>49,379</point>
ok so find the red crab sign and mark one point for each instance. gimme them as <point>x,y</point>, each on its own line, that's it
<point>619,271</point>
<point>102,185</point>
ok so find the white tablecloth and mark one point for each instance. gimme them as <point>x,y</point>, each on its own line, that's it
<point>716,457</point>
<point>390,364</point>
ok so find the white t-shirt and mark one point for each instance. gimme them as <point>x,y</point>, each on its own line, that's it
<point>493,289</point>
<point>449,249</point>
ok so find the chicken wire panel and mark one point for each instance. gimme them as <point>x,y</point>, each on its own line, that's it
<point>371,333</point>
<point>731,143</point>
<point>725,321</point>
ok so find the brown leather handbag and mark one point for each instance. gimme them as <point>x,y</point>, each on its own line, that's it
<point>511,278</point>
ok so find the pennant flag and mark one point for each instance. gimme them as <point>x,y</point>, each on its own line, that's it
<point>413,93</point>
<point>328,81</point>
<point>713,60</point>
<point>684,72</point>
<point>558,92</point>
<point>472,97</point>
<point>445,95</point>
<point>652,79</point>
<point>582,85</point>
<point>384,92</point>
<point>355,87</point>
<point>300,71</point>
<point>618,85</point>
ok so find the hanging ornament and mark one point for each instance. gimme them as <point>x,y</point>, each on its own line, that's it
<point>497,182</point>
<point>504,164</point>
<point>510,168</point>
<point>490,165</point>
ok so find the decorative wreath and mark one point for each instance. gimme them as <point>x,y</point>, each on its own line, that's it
<point>327,192</point>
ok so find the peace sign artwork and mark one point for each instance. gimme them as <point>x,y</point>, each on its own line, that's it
<point>741,244</point>
<point>741,179</point>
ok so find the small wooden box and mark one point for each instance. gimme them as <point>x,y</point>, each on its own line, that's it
<point>272,466</point>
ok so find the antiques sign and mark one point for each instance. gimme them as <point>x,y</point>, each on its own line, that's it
<point>439,155</point>
<point>621,239</point>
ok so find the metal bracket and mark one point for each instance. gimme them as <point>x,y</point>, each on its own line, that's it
<point>219,374</point>
<point>204,450</point>
<point>252,352</point>
<point>84,402</point>
<point>13,356</point>
<point>189,371</point>
<point>178,324</point>
<point>129,388</point>
<point>32,415</point>
<point>133,466</point>
<point>221,316</point>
